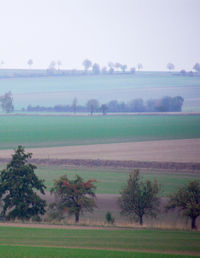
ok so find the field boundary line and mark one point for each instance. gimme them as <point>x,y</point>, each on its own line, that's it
<point>108,114</point>
<point>97,163</point>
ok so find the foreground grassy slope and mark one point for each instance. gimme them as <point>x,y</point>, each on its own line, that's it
<point>59,131</point>
<point>111,181</point>
<point>53,252</point>
<point>152,240</point>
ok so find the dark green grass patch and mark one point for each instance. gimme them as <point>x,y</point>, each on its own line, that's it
<point>154,240</point>
<point>37,131</point>
<point>112,181</point>
<point>52,252</point>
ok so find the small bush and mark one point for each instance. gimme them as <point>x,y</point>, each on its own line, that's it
<point>109,218</point>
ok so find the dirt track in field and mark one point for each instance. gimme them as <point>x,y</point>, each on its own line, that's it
<point>187,150</point>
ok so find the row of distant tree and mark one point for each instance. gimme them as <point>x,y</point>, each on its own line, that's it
<point>19,188</point>
<point>54,68</point>
<point>117,67</point>
<point>165,104</point>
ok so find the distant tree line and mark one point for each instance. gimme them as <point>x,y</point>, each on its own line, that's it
<point>165,104</point>
<point>183,72</point>
<point>90,68</point>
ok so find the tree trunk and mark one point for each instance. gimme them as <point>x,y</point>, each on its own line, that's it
<point>193,223</point>
<point>141,220</point>
<point>77,217</point>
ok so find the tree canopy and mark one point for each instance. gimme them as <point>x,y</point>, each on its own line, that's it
<point>87,64</point>
<point>7,102</point>
<point>187,201</point>
<point>196,67</point>
<point>74,196</point>
<point>18,186</point>
<point>139,198</point>
<point>92,105</point>
<point>170,66</point>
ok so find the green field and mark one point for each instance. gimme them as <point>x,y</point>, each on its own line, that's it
<point>50,91</point>
<point>37,131</point>
<point>53,252</point>
<point>143,240</point>
<point>111,181</point>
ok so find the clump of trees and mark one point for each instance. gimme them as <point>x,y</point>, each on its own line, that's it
<point>18,186</point>
<point>117,68</point>
<point>165,104</point>
<point>74,196</point>
<point>195,72</point>
<point>139,198</point>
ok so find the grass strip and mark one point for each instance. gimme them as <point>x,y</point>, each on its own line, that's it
<point>51,252</point>
<point>110,181</point>
<point>153,240</point>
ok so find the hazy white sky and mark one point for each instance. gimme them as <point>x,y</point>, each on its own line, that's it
<point>153,32</point>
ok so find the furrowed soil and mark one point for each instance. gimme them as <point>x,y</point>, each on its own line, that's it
<point>186,151</point>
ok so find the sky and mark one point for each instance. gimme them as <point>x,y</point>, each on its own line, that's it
<point>151,32</point>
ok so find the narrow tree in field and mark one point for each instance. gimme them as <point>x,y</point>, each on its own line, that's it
<point>18,186</point>
<point>187,201</point>
<point>92,105</point>
<point>139,66</point>
<point>74,196</point>
<point>123,68</point>
<point>30,63</point>
<point>87,64</point>
<point>74,105</point>
<point>104,109</point>
<point>139,198</point>
<point>196,67</point>
<point>170,66</point>
<point>7,102</point>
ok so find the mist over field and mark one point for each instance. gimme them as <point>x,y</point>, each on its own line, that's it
<point>61,90</point>
<point>100,128</point>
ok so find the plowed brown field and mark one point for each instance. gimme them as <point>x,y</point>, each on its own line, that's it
<point>187,150</point>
